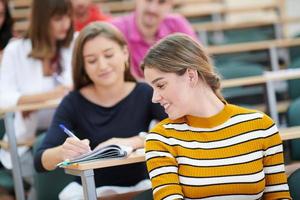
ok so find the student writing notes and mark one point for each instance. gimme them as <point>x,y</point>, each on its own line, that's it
<point>207,148</point>
<point>106,107</point>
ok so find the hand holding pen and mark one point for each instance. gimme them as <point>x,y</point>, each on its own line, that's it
<point>73,146</point>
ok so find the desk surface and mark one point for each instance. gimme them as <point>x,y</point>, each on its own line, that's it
<point>132,158</point>
<point>217,26</point>
<point>279,75</point>
<point>29,107</point>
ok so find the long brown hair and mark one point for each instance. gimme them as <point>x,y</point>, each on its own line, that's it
<point>6,28</point>
<point>39,28</point>
<point>178,52</point>
<point>80,77</point>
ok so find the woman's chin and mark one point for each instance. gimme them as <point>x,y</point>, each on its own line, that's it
<point>174,116</point>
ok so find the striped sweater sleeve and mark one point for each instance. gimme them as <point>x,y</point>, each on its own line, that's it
<point>162,167</point>
<point>273,161</point>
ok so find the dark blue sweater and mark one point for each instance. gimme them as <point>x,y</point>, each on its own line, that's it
<point>98,124</point>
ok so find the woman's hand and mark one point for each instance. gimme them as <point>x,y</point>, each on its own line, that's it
<point>73,147</point>
<point>134,142</point>
<point>59,92</point>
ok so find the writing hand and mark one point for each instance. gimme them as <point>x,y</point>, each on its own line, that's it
<point>73,147</point>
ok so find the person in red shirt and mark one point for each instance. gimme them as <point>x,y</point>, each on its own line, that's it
<point>84,12</point>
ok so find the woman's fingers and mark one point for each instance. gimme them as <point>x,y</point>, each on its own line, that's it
<point>73,147</point>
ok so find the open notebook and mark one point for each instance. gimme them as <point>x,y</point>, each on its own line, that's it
<point>111,151</point>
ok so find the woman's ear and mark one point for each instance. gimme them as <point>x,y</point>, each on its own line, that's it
<point>192,76</point>
<point>126,51</point>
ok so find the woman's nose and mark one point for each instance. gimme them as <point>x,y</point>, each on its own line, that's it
<point>156,97</point>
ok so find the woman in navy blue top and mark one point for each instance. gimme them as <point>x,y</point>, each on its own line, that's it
<point>105,106</point>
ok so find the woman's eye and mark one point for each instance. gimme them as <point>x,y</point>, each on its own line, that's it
<point>91,61</point>
<point>109,55</point>
<point>160,86</point>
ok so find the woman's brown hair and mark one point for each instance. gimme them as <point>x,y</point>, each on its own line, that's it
<point>6,28</point>
<point>177,53</point>
<point>39,28</point>
<point>80,77</point>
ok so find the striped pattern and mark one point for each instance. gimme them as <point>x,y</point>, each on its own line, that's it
<point>236,154</point>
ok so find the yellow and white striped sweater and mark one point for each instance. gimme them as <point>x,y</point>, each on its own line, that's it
<point>236,154</point>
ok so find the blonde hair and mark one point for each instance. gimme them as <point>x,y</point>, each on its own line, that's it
<point>178,52</point>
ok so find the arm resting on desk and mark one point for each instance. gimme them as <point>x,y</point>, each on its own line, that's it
<point>55,93</point>
<point>51,157</point>
<point>136,142</point>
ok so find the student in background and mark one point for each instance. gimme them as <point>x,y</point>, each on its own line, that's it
<point>6,23</point>
<point>207,148</point>
<point>85,12</point>
<point>106,107</point>
<point>37,68</point>
<point>150,22</point>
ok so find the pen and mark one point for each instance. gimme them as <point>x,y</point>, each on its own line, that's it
<point>58,79</point>
<point>67,131</point>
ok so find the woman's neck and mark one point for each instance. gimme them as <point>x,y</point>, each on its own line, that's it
<point>206,104</point>
<point>109,96</point>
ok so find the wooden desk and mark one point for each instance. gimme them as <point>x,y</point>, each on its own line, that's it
<point>205,9</point>
<point>269,45</point>
<point>290,133</point>
<point>85,170</point>
<point>12,143</point>
<point>252,46</point>
<point>218,26</point>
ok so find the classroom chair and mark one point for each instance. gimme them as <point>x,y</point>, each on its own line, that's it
<point>240,95</point>
<point>146,195</point>
<point>249,35</point>
<point>49,184</point>
<point>6,180</point>
<point>295,51</point>
<point>293,119</point>
<point>2,128</point>
<point>293,85</point>
<point>255,57</point>
<point>240,35</point>
<point>294,182</point>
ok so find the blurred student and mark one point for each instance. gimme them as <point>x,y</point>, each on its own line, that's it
<point>106,107</point>
<point>37,68</point>
<point>6,23</point>
<point>150,22</point>
<point>85,12</point>
<point>207,148</point>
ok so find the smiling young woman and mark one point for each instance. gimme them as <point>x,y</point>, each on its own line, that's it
<point>106,107</point>
<point>207,148</point>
